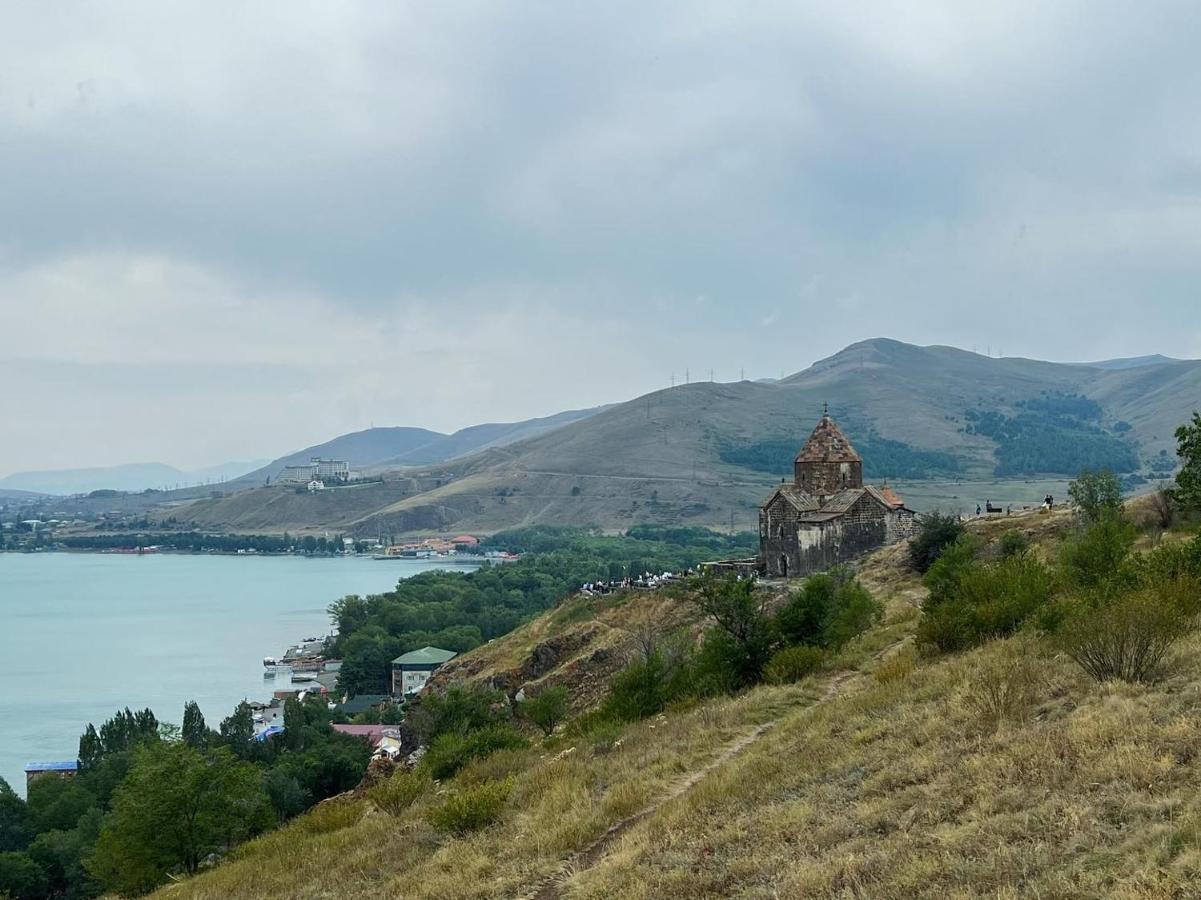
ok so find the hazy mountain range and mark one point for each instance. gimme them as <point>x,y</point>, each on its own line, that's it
<point>128,477</point>
<point>369,449</point>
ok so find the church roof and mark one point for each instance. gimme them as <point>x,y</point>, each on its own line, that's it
<point>889,496</point>
<point>800,500</point>
<point>827,444</point>
<point>813,511</point>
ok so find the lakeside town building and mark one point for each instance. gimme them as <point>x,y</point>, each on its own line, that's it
<point>36,771</point>
<point>317,469</point>
<point>410,671</point>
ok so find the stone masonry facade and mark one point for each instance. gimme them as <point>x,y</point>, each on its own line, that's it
<point>827,516</point>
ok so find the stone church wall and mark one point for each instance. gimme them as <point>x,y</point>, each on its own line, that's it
<point>795,550</point>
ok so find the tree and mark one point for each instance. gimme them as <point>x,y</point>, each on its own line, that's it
<point>460,710</point>
<point>177,805</point>
<point>21,878</point>
<point>1188,480</point>
<point>639,690</point>
<point>1098,494</point>
<point>828,610</point>
<point>746,634</point>
<point>547,709</point>
<point>15,833</point>
<point>237,729</point>
<point>56,804</point>
<point>936,532</point>
<point>90,748</point>
<point>61,855</point>
<point>288,796</point>
<point>194,733</point>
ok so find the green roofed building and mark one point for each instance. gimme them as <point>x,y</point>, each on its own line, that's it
<point>412,670</point>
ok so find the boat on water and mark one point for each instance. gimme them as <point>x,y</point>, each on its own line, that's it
<point>273,667</point>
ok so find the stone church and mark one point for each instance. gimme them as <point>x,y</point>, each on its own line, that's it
<point>827,516</point>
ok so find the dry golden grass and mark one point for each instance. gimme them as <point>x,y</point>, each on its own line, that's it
<point>1004,772</point>
<point>909,789</point>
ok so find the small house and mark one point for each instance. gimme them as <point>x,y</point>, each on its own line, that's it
<point>36,771</point>
<point>412,670</point>
<point>360,703</point>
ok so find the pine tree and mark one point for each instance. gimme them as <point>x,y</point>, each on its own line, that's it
<point>91,749</point>
<point>195,732</point>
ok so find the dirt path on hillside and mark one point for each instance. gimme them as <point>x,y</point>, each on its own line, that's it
<point>551,887</point>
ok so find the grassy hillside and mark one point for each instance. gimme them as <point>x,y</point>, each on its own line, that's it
<point>708,453</point>
<point>1002,771</point>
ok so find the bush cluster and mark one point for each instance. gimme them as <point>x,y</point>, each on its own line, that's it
<point>747,644</point>
<point>972,601</point>
<point>1115,612</point>
<point>471,808</point>
<point>936,532</point>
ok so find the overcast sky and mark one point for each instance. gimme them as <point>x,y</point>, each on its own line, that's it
<point>229,230</point>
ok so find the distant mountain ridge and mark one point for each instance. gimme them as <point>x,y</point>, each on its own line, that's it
<point>382,448</point>
<point>127,477</point>
<point>668,456</point>
<point>1134,362</point>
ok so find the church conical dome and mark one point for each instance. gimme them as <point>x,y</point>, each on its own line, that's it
<point>827,444</point>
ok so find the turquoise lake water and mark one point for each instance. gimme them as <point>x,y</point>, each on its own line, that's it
<point>86,634</point>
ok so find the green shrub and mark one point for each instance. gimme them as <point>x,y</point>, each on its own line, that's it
<point>980,601</point>
<point>1014,543</point>
<point>745,635</point>
<point>547,708</point>
<point>1127,638</point>
<point>471,808</point>
<point>451,751</point>
<point>793,663</point>
<point>460,710</point>
<point>936,532</point>
<point>828,611</point>
<point>21,878</point>
<point>1166,563</point>
<point>399,792</point>
<point>1094,558</point>
<point>1006,593</point>
<point>802,618</point>
<point>943,577</point>
<point>640,690</point>
<point>855,611</point>
<point>946,628</point>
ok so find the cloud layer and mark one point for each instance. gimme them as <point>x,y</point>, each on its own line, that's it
<point>231,230</point>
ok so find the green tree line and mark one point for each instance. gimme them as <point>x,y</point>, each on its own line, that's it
<point>458,611</point>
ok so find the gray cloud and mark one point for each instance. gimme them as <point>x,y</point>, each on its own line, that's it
<point>369,197</point>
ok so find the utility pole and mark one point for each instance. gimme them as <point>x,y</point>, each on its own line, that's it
<point>687,377</point>
<point>742,374</point>
<point>673,379</point>
<point>710,376</point>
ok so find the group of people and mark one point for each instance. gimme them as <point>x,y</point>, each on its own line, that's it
<point>645,580</point>
<point>1048,504</point>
